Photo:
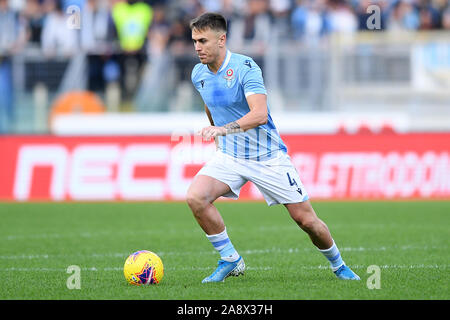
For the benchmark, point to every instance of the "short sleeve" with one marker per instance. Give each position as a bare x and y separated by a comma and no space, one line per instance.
252,79
194,73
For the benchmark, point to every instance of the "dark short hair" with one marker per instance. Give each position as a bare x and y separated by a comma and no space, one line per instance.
211,20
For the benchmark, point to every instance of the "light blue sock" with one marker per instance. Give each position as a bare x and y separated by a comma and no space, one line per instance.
223,245
334,256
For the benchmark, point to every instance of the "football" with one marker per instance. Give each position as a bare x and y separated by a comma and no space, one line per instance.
143,268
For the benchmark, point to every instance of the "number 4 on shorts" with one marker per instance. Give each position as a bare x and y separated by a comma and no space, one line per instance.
292,182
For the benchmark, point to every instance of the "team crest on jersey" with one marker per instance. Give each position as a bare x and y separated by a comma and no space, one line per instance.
229,76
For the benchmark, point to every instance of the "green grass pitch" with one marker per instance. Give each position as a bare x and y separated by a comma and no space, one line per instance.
408,241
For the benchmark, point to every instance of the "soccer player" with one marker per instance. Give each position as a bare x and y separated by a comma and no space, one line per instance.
249,148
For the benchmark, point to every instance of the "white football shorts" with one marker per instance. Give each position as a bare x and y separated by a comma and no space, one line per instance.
277,179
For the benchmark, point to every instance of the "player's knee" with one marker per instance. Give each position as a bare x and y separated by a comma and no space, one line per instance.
305,219
307,223
196,200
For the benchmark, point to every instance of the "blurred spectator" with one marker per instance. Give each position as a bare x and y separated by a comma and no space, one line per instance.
120,37
34,17
428,16
12,35
189,9
159,32
446,19
78,3
180,37
12,39
57,38
229,7
17,5
280,11
97,40
158,64
307,20
132,20
253,29
96,27
212,5
257,23
340,17
403,16
180,43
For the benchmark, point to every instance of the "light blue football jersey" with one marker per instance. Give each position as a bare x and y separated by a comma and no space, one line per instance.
224,93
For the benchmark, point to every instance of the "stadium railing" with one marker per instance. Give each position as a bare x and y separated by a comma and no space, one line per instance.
369,71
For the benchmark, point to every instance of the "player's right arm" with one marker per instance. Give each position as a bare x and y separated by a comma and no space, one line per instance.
208,113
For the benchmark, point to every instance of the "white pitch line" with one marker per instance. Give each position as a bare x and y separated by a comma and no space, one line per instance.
302,267
121,269
88,235
243,252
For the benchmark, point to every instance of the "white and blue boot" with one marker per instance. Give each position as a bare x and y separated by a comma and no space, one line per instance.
225,269
345,273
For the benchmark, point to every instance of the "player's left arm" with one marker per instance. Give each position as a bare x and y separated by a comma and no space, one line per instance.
256,117
252,83
255,93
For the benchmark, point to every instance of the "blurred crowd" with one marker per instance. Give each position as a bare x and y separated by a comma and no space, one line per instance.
63,27
120,36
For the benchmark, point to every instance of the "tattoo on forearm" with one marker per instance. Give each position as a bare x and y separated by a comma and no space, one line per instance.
232,127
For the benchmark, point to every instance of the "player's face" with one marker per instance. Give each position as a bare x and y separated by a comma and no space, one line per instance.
207,44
